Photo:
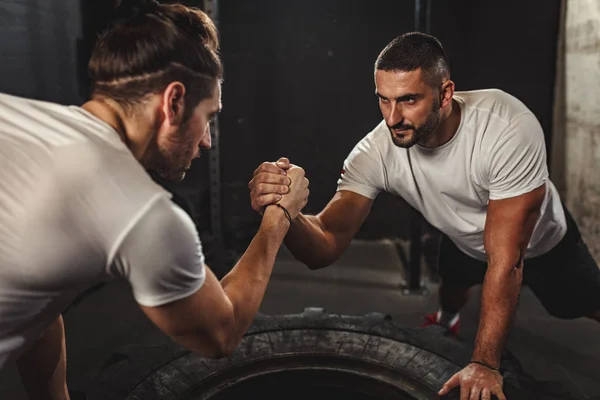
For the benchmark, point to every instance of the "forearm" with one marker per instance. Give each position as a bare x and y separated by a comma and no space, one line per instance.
245,285
308,241
500,294
43,367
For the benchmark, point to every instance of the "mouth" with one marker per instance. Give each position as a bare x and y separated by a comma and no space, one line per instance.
401,132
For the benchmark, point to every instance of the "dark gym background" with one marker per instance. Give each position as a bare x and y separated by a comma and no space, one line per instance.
298,83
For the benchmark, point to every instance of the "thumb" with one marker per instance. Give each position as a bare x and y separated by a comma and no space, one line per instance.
283,162
451,384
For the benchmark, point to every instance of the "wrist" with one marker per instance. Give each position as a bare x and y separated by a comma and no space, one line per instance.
274,214
487,365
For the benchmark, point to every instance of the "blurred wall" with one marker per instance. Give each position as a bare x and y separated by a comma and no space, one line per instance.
299,83
298,79
38,42
578,128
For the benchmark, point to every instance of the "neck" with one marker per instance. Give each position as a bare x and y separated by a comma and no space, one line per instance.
132,131
447,127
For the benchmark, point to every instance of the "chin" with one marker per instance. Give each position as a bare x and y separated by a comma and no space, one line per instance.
172,177
405,144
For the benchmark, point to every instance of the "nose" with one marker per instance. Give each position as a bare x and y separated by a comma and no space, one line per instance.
205,142
395,115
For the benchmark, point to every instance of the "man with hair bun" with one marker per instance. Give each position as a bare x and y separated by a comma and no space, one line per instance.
78,206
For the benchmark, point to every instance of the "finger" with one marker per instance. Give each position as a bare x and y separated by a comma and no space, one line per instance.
486,394
465,392
497,391
268,178
266,200
269,167
451,384
267,188
475,392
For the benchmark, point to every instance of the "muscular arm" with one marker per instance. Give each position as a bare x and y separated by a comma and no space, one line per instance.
214,319
43,366
508,229
319,240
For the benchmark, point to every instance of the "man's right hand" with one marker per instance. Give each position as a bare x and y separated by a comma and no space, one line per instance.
297,196
269,183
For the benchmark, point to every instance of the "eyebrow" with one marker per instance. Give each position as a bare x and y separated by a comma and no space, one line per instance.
408,96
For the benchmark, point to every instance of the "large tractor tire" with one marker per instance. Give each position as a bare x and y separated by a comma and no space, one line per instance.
309,355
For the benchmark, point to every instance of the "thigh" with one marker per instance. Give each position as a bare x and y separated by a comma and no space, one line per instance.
566,279
457,268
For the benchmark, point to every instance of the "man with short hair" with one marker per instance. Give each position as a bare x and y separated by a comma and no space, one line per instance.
78,207
474,164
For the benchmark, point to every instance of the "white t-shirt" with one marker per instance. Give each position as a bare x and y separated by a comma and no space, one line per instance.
498,152
76,208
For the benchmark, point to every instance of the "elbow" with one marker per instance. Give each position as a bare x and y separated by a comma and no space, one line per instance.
221,350
320,260
220,347
314,265
225,341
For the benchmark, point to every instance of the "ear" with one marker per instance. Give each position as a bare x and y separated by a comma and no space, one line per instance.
173,103
446,93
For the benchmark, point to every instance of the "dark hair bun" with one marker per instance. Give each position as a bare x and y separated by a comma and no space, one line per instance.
126,9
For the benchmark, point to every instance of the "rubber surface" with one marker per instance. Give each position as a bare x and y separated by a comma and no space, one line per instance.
418,361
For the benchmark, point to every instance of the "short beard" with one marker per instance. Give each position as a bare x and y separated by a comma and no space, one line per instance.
421,134
173,158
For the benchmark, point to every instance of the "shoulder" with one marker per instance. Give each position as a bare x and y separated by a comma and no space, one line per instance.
495,105
375,143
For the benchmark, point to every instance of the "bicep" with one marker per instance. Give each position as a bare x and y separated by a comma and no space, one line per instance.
198,316
161,258
509,226
161,255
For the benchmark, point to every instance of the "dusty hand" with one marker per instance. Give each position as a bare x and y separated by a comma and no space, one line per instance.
295,200
476,380
269,182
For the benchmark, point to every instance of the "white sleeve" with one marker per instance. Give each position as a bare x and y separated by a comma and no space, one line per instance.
516,163
161,255
363,170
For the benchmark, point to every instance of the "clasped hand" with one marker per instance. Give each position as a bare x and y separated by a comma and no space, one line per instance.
279,182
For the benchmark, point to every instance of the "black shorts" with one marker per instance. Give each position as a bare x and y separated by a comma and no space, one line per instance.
566,279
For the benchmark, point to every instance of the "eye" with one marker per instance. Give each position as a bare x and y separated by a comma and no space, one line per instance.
384,100
410,101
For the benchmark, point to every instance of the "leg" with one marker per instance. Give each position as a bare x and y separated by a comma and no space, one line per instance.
453,297
458,273
43,366
567,278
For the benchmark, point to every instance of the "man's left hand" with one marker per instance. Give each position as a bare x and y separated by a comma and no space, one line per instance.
476,380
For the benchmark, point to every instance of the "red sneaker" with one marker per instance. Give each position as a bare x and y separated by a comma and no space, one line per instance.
433,319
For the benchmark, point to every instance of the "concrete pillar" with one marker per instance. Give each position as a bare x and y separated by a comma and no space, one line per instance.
582,110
